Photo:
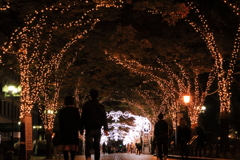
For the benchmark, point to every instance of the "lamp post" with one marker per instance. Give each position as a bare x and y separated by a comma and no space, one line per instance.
12,91
186,100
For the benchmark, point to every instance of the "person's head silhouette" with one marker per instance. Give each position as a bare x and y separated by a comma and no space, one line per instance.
94,94
160,116
69,100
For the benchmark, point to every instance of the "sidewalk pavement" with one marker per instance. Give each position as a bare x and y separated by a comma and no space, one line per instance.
128,156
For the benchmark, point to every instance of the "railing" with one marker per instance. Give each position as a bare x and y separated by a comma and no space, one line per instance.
192,140
208,150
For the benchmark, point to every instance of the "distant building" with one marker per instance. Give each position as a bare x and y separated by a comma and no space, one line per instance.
10,110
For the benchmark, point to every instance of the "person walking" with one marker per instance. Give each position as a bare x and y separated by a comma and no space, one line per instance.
56,136
69,125
183,137
161,135
93,118
139,148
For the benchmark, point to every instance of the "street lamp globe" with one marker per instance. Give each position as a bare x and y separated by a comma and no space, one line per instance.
12,89
186,99
203,109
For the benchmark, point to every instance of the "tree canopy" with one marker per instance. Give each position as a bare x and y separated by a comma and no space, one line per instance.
140,52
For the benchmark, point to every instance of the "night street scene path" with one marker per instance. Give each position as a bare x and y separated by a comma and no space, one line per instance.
128,156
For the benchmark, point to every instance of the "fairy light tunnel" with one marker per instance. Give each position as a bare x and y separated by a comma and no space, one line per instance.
141,126
31,44
28,55
224,76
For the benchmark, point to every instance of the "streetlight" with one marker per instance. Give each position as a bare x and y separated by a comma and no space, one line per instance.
12,91
186,99
203,109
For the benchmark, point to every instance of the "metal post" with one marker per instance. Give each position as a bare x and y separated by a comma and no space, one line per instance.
176,131
12,119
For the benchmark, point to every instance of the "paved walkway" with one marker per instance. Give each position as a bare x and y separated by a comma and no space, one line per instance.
126,156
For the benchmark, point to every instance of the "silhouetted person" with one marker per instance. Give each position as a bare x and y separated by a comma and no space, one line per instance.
104,148
93,118
139,148
161,135
183,137
69,125
198,130
55,140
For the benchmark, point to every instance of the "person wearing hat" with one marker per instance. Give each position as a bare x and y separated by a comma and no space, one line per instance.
161,135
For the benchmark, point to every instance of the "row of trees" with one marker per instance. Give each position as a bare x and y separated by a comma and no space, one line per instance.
141,55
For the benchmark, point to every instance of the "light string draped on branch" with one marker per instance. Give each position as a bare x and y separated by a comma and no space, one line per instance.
29,42
225,77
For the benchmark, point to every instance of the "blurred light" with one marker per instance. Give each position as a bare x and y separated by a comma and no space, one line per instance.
186,99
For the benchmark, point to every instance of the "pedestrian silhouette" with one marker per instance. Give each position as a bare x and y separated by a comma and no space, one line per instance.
139,148
93,118
161,135
69,125
55,140
183,137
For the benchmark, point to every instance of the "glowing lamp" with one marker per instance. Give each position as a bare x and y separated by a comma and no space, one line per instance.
11,90
186,99
203,108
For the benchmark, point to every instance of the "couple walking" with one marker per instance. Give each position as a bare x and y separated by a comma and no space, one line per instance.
69,122
161,135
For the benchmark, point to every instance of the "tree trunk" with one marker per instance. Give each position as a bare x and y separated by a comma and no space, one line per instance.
224,131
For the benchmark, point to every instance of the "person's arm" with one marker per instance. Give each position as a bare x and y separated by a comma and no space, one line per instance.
155,130
82,119
105,125
167,129
56,123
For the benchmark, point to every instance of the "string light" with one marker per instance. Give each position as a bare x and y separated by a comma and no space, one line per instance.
5,7
224,76
36,65
173,86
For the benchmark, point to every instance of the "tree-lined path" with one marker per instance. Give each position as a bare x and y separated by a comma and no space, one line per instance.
127,156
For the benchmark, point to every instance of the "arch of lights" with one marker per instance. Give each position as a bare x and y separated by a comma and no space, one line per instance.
172,95
141,125
224,81
224,76
32,53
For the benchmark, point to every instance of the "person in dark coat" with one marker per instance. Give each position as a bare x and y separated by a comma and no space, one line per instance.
161,135
93,118
139,148
55,140
69,125
183,137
